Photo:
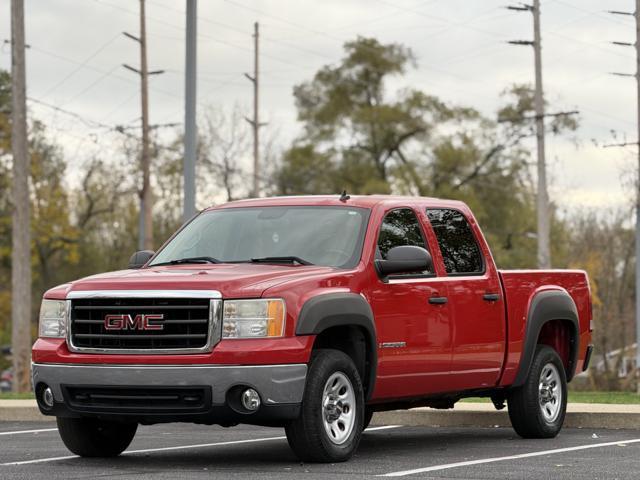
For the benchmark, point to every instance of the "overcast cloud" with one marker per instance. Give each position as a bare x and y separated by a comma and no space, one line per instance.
77,50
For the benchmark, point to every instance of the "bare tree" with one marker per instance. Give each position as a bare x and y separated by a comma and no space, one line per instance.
603,245
224,151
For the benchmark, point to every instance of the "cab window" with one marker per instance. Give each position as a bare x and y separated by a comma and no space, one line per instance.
457,242
399,227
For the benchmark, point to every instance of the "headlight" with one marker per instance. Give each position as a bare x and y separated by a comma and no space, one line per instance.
53,318
253,318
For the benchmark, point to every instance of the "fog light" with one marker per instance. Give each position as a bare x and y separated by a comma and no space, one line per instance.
250,399
47,397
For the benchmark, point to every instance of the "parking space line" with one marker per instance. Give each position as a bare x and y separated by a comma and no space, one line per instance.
148,450
40,460
179,447
18,432
447,466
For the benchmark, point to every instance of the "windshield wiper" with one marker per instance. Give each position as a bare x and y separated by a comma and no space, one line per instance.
287,259
188,260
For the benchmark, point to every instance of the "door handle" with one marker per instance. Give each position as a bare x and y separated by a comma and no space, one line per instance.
438,300
491,297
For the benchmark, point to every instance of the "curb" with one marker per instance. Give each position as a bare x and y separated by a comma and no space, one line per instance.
453,418
464,415
21,411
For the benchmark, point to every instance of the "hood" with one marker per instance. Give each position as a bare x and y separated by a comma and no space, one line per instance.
235,280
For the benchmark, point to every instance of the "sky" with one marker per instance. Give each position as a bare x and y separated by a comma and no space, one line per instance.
76,51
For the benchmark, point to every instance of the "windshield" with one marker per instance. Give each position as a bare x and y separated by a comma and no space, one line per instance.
327,236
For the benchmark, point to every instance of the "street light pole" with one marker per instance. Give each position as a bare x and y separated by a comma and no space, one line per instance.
190,128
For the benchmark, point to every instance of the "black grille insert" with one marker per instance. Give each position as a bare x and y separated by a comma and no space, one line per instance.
137,399
140,324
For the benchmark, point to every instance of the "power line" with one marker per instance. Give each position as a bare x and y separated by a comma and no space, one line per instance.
243,32
200,35
325,34
591,44
381,18
96,124
91,85
80,66
589,12
99,70
442,19
332,37
86,121
298,26
119,105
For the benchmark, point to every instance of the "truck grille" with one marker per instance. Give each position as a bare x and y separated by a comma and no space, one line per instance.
124,325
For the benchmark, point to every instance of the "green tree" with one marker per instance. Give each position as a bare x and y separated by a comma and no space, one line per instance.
360,136
53,238
349,116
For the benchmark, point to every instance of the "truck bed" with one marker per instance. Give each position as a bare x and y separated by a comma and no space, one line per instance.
519,287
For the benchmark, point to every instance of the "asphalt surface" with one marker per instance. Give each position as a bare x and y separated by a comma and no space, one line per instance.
190,451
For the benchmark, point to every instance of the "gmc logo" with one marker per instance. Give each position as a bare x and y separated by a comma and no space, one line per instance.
139,322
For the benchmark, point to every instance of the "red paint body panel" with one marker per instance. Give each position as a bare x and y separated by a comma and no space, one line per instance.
234,280
227,352
520,287
466,344
403,315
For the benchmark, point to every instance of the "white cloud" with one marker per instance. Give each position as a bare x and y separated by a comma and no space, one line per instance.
459,45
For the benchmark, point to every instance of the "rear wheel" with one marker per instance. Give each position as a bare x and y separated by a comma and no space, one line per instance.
89,437
538,407
330,423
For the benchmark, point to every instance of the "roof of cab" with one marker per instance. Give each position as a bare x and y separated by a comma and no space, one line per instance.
362,201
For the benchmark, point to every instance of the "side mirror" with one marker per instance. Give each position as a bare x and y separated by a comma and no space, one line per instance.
405,259
138,259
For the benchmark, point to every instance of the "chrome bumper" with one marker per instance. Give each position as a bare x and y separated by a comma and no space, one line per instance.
277,384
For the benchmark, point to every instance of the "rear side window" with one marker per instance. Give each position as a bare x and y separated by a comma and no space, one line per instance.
457,243
399,227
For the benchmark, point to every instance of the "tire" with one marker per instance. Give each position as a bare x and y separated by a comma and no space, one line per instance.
538,407
89,437
333,383
368,415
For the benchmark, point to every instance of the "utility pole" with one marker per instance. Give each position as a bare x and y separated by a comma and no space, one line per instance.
145,239
20,231
255,123
190,128
544,231
636,15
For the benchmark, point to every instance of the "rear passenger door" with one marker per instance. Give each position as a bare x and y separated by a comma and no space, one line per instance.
414,335
475,301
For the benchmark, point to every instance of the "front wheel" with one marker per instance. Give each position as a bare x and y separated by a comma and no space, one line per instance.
89,437
331,420
538,407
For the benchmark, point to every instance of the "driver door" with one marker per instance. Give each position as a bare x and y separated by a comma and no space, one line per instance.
414,328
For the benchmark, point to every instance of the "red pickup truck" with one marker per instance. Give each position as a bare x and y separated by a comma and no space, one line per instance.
309,313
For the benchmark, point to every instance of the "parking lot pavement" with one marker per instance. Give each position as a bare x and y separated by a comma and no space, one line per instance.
33,450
